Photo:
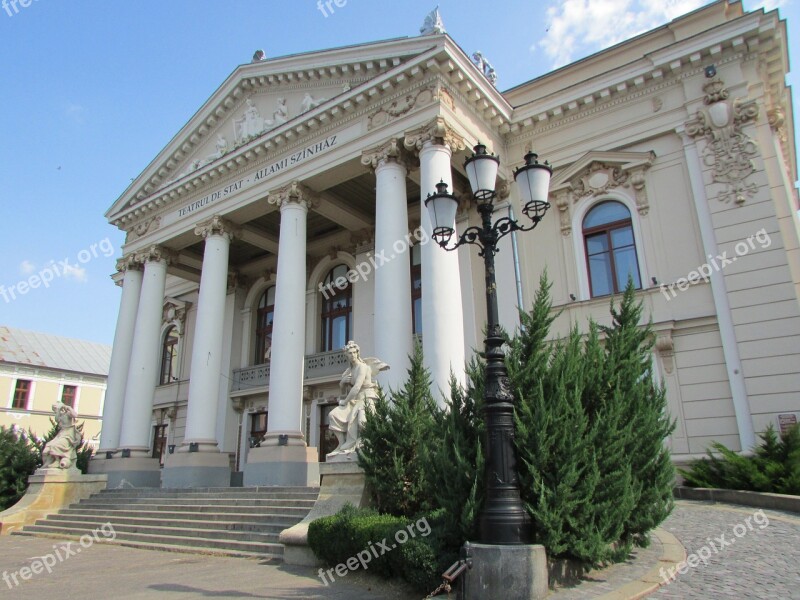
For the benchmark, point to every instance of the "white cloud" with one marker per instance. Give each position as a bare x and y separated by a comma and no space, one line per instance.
75,272
578,28
26,267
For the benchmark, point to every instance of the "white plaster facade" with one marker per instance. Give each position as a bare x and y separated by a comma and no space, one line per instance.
296,165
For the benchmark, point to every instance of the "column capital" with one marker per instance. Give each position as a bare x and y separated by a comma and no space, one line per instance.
216,225
389,151
156,254
128,262
438,131
294,193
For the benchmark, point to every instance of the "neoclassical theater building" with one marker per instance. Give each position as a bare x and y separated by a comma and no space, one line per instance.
287,217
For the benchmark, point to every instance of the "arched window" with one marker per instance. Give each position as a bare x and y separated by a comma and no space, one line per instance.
610,249
264,317
169,357
337,309
416,289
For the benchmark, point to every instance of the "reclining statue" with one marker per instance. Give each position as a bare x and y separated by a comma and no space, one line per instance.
60,452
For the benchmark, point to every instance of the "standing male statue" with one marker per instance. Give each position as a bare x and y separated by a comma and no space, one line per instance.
358,389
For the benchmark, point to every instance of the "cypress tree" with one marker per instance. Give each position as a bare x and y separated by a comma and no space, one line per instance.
392,442
629,371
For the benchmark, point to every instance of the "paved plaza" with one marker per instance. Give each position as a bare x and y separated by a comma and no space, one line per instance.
747,554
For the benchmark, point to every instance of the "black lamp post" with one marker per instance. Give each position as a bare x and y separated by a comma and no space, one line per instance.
503,519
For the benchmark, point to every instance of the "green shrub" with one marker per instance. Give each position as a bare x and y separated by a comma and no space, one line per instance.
351,531
774,466
18,461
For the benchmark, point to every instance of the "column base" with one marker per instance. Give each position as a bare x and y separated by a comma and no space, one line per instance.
519,571
135,471
196,469
282,465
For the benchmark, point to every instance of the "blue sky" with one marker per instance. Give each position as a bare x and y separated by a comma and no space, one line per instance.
92,91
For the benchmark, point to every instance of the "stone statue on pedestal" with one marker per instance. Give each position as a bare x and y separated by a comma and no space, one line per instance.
60,452
358,390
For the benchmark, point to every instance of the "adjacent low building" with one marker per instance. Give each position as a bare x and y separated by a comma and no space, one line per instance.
288,217
38,370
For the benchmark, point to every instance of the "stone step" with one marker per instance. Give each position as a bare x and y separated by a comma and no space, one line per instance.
97,500
168,530
244,524
156,542
220,496
216,490
253,510
107,513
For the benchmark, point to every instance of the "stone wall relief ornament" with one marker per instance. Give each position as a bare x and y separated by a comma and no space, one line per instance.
220,149
143,228
666,350
433,24
728,150
309,102
401,106
251,124
564,212
174,312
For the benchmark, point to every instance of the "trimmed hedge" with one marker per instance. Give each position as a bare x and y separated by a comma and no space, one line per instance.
350,532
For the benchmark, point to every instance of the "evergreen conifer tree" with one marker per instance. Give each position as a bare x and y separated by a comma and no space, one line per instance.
18,461
392,442
629,373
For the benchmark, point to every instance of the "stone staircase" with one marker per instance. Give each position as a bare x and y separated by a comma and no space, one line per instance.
227,521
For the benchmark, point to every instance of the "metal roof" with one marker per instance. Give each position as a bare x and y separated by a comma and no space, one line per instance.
32,348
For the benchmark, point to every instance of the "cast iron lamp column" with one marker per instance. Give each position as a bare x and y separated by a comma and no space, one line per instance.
503,519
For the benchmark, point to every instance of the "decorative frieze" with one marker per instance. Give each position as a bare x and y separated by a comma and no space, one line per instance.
728,150
142,228
401,106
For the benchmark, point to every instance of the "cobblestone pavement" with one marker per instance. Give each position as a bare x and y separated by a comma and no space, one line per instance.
748,553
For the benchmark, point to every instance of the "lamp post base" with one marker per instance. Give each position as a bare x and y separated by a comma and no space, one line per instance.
520,571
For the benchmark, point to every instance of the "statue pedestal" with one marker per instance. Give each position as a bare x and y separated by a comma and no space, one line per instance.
342,482
49,490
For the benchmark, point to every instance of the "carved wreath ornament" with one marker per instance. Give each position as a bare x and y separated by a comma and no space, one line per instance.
728,150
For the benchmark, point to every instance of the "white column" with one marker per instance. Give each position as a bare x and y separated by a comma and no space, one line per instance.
288,333
442,312
121,354
393,325
145,355
207,349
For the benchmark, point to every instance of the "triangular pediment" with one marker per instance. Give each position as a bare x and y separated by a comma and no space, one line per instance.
596,171
267,95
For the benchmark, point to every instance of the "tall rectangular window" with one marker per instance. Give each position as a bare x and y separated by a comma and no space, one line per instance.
68,395
22,392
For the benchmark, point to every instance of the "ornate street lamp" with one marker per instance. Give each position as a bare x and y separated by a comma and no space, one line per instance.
503,519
